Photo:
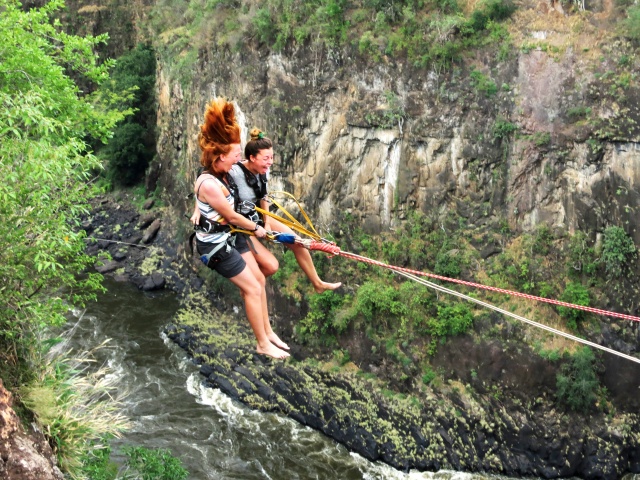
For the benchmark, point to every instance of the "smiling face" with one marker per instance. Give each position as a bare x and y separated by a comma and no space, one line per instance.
228,160
261,162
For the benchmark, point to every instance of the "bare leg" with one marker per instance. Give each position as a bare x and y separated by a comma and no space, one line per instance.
255,268
303,257
266,261
252,294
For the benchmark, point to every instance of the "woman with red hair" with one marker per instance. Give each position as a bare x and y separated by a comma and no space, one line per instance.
219,249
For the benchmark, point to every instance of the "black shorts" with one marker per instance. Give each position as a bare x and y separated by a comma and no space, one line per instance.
227,262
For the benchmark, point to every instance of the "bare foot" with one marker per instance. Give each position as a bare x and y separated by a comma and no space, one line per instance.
322,286
272,351
273,338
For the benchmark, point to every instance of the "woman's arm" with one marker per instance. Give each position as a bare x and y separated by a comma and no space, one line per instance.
264,205
211,193
195,218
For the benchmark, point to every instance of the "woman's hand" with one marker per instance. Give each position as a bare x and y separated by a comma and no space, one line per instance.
260,232
195,218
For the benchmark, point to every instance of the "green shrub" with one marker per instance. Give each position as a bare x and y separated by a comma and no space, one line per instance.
631,25
582,256
46,165
127,155
97,464
617,250
482,83
503,129
455,319
540,139
577,384
321,317
154,464
448,262
577,294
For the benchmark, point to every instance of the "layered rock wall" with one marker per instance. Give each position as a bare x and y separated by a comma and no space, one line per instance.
341,146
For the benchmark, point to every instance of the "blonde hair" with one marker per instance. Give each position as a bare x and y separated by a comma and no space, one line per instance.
218,132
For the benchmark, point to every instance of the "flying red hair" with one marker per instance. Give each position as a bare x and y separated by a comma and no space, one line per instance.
218,132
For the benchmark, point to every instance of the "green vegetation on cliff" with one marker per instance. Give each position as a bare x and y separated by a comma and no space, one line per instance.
408,323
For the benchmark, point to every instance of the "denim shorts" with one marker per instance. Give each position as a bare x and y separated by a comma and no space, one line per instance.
227,262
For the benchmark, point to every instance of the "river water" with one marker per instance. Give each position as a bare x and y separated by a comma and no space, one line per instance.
214,436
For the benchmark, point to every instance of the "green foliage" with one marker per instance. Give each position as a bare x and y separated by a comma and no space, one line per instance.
130,150
543,239
631,25
97,464
428,33
321,317
503,129
581,256
577,294
453,320
428,375
490,10
150,464
617,250
389,117
577,383
578,113
540,139
482,83
448,262
45,164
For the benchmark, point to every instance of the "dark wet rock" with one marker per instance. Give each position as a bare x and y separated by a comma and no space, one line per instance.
151,232
107,267
134,239
489,251
223,384
155,281
119,255
146,220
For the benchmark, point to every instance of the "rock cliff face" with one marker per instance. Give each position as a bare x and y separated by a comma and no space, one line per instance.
554,143
346,143
23,455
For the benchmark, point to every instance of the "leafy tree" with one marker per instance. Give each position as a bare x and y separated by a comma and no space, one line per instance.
133,144
577,383
577,294
631,25
617,249
45,123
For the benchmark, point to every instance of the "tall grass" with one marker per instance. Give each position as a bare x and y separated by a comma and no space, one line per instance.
74,403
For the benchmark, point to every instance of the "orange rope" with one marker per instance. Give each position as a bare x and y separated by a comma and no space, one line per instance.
333,249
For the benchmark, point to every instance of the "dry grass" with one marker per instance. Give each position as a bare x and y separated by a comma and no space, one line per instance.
75,404
576,31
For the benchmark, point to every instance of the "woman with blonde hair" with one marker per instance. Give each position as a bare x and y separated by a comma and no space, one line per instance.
219,249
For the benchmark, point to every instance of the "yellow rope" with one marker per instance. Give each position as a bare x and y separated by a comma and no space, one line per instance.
291,222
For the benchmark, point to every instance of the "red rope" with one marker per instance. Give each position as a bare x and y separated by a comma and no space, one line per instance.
335,250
